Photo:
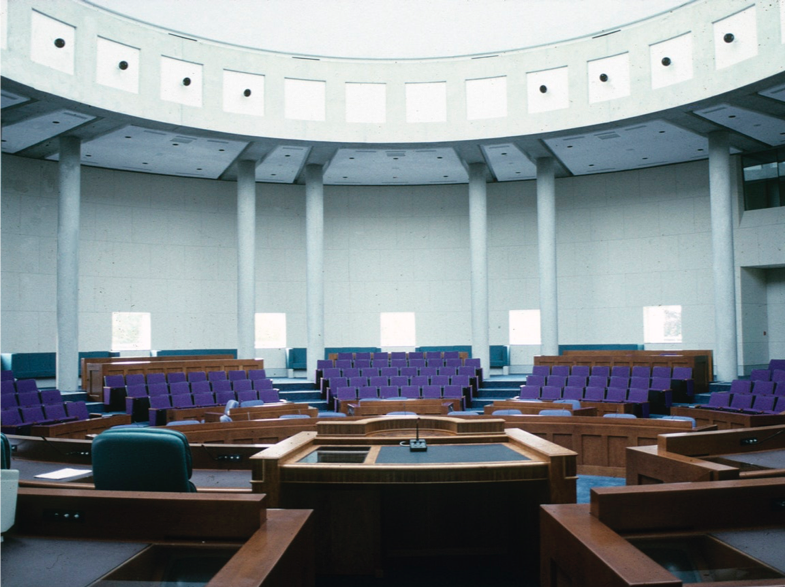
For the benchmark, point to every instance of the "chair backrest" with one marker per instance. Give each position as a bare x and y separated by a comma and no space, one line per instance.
639,383
269,396
760,375
176,377
572,393
5,452
597,381
778,375
762,387
265,383
563,370
576,381
550,392
28,398
616,394
179,388
682,373
114,381
620,371
661,372
410,391
369,392
431,391
555,413
741,401
153,378
204,399
507,412
601,371
160,402
222,385
452,392
8,400
78,410
8,387
594,394
529,392
764,403
26,385
11,417
55,412
142,459
182,401
641,371
581,370
200,387
719,400
388,391
237,375
440,380
157,389
623,416
660,383
619,381
536,380
135,379
741,386
194,376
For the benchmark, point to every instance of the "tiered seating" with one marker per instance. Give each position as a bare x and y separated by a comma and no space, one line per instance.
762,393
375,376
148,398
600,384
24,406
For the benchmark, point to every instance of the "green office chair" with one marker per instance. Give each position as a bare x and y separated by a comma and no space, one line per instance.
6,452
142,459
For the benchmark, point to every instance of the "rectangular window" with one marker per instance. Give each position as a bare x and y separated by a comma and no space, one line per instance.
397,329
426,102
486,98
270,331
304,99
661,324
131,331
764,179
525,327
366,103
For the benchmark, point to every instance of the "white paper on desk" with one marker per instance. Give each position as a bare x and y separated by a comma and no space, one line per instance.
63,473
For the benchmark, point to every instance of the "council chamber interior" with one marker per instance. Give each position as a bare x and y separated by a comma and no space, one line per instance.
477,294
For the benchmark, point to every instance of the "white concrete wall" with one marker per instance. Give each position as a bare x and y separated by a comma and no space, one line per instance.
166,245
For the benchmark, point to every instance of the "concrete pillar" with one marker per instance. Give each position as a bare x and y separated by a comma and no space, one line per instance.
725,349
70,188
314,270
246,259
478,243
546,242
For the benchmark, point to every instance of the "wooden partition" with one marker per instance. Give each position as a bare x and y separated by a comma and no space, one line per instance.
709,456
600,443
80,428
214,413
699,361
90,365
253,547
178,365
724,420
603,543
534,408
433,407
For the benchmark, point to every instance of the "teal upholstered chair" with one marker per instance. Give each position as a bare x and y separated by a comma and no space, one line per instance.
6,452
142,459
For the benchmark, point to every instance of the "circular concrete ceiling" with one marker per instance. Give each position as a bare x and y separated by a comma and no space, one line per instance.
389,29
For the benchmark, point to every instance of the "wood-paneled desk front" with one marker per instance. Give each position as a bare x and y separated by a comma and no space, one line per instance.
722,533
709,456
73,538
377,503
723,419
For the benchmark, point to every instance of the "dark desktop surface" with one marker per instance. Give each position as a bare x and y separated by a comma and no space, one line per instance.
445,454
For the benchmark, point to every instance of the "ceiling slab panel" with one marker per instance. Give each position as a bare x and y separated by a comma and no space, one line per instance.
633,147
283,164
134,148
762,127
11,99
29,132
508,163
395,167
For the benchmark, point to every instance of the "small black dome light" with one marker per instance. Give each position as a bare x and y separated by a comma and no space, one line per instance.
59,43
666,61
123,65
247,92
543,89
186,81
728,38
603,77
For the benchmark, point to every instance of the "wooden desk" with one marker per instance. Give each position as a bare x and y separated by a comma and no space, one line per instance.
724,420
247,544
691,527
534,408
214,413
431,407
709,456
377,503
80,428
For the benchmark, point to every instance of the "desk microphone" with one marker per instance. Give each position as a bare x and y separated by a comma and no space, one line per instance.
417,444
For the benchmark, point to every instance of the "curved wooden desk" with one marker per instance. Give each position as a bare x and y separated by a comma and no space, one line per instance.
376,501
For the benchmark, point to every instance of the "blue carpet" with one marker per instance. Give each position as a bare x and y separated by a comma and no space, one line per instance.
586,482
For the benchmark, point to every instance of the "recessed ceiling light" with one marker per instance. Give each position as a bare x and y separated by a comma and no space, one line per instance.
221,150
55,122
732,116
145,163
173,144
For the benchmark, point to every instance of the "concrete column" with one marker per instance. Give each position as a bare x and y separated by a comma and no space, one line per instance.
725,345
70,187
478,242
546,242
314,270
246,259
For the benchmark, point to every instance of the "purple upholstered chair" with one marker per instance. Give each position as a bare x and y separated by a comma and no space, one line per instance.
449,371
440,380
368,392
378,381
620,371
182,401
343,394
247,395
542,370
639,383
661,372
640,397
536,380
153,378
362,363
419,381
179,388
580,370
221,397
204,399
573,392
261,384
597,381
242,385
28,398
741,402
12,421
78,410
601,371
428,372
239,374
719,400
195,376
761,387
740,386
26,385
389,392
200,387
616,394
51,397
370,372
594,394
409,371
176,377
34,415
551,392
389,372
221,385
641,371
530,392
763,404
563,370
254,374
8,400
452,392
157,389
576,381
410,391
56,413
760,375
620,382
431,391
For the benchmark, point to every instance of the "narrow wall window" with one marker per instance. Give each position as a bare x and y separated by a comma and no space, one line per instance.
661,324
131,331
426,102
270,331
397,329
525,327
486,98
366,102
304,99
